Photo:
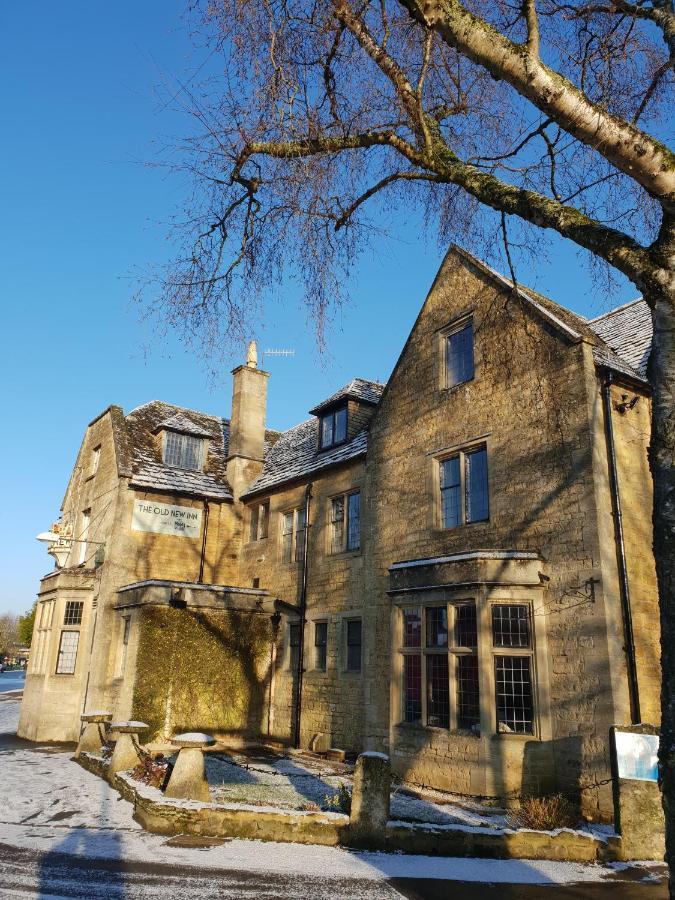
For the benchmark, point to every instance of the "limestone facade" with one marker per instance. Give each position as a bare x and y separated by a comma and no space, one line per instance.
459,575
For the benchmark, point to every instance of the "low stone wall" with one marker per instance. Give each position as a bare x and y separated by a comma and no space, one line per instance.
457,840
159,814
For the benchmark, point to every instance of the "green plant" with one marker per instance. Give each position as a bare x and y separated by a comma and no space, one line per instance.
545,813
341,801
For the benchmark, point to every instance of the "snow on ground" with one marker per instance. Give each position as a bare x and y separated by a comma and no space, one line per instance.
298,782
49,803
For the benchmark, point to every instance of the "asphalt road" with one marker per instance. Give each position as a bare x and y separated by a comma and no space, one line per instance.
28,873
52,876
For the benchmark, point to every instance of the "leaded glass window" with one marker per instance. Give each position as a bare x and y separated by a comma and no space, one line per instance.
184,451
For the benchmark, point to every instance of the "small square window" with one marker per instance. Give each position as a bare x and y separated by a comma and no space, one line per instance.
73,614
510,625
320,645
184,451
459,355
353,641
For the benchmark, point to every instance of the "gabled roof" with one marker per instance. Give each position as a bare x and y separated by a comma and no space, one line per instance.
358,389
181,423
295,455
627,330
621,338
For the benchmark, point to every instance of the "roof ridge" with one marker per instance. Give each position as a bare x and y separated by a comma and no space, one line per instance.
610,312
185,409
529,294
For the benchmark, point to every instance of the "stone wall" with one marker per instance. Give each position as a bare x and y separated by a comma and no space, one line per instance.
528,404
332,700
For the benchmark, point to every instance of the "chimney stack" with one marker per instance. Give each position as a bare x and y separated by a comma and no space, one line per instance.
247,423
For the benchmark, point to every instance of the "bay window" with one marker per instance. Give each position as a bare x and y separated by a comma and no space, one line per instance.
440,672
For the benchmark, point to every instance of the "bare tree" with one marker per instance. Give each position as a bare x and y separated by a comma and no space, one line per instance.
513,113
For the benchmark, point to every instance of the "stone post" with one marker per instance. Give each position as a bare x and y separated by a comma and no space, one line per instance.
93,736
638,813
370,800
188,778
125,755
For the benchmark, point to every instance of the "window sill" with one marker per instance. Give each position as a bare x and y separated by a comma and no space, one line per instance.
344,554
453,528
513,736
352,673
453,388
450,732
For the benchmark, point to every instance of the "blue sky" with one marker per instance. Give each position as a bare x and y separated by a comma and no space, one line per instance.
82,212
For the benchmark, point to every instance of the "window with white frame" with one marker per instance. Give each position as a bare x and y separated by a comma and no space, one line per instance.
67,658
459,366
345,522
353,645
84,533
260,513
333,428
463,479
439,666
320,645
95,459
293,525
184,451
439,651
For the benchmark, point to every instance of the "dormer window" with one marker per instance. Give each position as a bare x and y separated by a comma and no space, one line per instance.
334,427
184,451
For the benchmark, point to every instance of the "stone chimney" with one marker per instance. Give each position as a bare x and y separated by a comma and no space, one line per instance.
247,423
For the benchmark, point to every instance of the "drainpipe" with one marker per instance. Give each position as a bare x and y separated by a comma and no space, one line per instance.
297,712
203,553
633,691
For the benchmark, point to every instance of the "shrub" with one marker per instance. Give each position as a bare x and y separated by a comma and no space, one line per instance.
151,771
342,800
545,813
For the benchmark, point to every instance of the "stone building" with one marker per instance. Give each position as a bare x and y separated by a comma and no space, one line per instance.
455,567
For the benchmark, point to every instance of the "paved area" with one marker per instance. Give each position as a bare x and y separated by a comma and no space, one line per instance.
65,834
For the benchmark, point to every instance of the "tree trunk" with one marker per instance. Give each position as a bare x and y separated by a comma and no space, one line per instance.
662,454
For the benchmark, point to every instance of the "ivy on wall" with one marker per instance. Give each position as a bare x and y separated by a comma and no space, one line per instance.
202,670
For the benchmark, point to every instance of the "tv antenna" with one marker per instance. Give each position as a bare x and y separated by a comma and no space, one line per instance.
284,354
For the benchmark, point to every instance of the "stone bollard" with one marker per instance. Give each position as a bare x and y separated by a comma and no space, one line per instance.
638,812
370,800
92,738
125,755
188,779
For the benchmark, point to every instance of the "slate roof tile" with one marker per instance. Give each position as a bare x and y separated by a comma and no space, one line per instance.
357,389
627,330
295,456
147,468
